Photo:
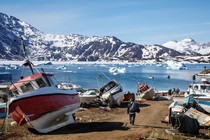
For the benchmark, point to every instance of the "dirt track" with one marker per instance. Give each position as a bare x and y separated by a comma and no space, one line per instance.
98,124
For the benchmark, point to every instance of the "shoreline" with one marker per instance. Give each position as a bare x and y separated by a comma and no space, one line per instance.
109,124
94,62
102,124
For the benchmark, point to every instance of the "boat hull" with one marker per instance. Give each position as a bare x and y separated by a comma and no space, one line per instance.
118,98
147,94
202,98
89,95
87,99
205,105
34,107
56,119
115,98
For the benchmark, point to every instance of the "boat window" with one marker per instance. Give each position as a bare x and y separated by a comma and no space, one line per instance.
112,84
107,89
26,87
203,87
51,80
41,83
92,93
207,87
15,91
196,87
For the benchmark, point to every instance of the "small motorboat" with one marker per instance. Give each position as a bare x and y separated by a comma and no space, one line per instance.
200,90
151,77
88,96
145,92
112,92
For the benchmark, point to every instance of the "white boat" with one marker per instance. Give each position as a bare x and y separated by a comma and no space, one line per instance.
200,88
176,107
112,91
145,92
151,77
36,99
199,92
89,95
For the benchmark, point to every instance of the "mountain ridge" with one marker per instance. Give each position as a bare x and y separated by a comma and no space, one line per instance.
53,47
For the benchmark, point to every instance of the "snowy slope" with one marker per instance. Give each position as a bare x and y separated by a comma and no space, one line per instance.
43,46
188,46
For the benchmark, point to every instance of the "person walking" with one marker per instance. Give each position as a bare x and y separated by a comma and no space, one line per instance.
131,110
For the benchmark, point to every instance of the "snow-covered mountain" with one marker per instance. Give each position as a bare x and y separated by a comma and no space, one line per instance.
42,46
159,51
188,46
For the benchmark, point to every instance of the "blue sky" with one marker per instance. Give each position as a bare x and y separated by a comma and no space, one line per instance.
138,21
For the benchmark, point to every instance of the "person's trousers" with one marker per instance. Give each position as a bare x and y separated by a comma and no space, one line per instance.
132,118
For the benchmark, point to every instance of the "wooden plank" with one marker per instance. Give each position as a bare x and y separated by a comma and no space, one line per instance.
202,118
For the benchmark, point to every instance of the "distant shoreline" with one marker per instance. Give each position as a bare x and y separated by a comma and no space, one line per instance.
87,62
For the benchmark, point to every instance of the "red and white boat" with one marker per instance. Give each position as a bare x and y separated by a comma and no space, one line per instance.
145,92
38,100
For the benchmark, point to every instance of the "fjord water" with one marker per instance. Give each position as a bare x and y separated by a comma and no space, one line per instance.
90,75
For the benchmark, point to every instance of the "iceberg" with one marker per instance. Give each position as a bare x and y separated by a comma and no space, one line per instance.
175,65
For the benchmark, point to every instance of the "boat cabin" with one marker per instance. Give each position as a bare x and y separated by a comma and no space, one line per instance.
199,88
142,88
108,87
31,83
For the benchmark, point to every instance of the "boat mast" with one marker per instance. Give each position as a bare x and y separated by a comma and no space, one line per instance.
27,62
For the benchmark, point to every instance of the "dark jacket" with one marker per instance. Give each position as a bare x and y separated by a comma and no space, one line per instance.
132,108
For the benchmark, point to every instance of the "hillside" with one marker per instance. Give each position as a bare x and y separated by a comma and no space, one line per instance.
52,47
